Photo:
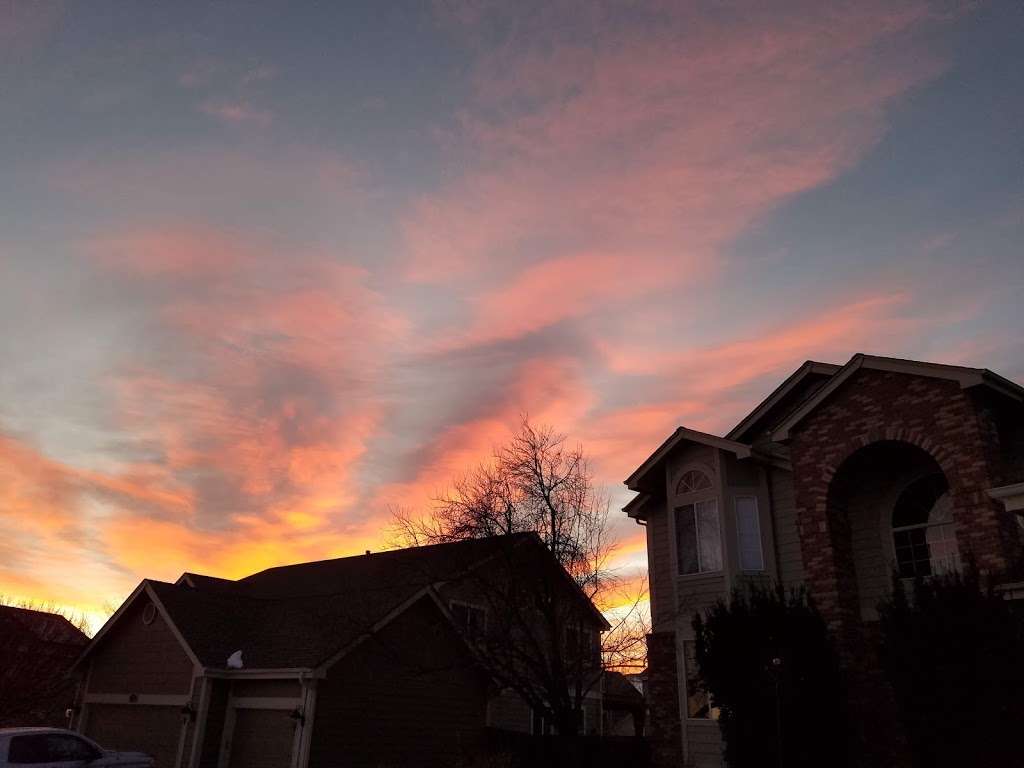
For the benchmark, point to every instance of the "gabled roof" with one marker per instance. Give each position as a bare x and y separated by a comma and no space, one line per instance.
300,616
639,479
42,626
965,377
636,507
803,382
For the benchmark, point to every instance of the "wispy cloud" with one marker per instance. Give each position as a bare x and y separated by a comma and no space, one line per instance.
237,112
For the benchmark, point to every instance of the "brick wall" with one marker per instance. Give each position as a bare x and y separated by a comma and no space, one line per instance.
934,415
946,422
663,701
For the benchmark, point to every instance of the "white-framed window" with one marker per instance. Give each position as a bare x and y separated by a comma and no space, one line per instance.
539,723
923,532
699,705
692,481
748,532
698,537
469,618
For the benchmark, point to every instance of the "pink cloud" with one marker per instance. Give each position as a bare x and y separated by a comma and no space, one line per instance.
652,145
236,112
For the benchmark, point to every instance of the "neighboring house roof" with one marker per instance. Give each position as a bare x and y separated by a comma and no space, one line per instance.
965,377
36,650
619,693
41,625
302,616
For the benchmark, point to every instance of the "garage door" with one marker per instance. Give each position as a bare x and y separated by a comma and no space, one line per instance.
137,728
262,738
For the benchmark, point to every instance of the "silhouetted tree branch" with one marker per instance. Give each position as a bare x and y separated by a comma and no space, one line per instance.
541,640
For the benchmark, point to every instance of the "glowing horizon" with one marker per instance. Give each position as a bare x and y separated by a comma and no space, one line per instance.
267,274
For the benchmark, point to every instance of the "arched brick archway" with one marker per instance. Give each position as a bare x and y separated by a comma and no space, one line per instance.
981,526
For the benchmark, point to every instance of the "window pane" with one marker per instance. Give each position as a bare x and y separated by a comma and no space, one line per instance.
63,748
28,750
749,528
697,700
710,536
686,540
691,481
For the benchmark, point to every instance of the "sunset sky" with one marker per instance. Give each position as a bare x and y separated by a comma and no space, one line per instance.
269,270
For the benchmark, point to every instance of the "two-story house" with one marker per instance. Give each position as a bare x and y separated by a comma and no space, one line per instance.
370,660
841,476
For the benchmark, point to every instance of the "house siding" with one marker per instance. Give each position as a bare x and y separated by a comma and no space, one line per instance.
140,658
508,711
660,563
406,691
704,742
788,556
155,730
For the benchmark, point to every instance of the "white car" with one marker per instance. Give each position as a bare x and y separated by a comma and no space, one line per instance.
59,748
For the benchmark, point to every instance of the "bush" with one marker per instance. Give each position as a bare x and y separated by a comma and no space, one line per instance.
767,660
953,654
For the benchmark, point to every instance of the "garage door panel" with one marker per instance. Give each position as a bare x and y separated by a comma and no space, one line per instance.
262,738
137,728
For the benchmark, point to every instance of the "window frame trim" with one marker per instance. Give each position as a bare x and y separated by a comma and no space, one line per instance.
472,607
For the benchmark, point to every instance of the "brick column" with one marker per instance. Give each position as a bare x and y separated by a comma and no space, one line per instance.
663,701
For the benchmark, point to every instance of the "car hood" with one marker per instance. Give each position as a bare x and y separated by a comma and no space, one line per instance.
123,760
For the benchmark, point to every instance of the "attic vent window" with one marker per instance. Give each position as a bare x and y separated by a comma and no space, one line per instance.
149,613
691,481
470,619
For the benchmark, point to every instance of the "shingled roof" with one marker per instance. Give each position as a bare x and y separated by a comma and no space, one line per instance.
299,616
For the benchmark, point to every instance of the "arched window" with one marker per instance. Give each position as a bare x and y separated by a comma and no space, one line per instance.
923,533
692,480
698,527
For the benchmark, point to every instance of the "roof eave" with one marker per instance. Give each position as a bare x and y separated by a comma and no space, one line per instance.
809,367
965,377
740,450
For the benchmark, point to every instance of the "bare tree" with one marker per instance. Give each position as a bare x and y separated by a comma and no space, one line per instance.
541,640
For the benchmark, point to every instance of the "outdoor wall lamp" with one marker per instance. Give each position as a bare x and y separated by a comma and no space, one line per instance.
188,714
298,716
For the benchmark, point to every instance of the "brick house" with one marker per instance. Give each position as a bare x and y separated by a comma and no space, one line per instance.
356,661
841,476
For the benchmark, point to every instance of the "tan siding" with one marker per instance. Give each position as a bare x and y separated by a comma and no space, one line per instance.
140,658
788,556
705,744
592,708
509,712
407,693
696,593
659,558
